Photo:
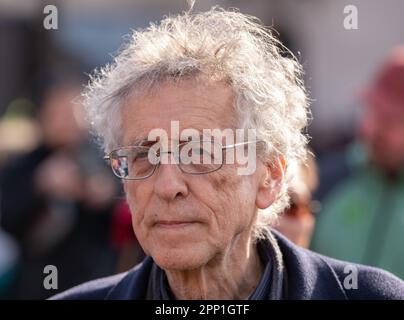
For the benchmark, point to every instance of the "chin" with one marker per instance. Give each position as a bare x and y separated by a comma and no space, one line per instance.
180,258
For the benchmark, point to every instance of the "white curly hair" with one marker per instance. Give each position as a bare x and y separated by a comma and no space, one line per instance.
269,95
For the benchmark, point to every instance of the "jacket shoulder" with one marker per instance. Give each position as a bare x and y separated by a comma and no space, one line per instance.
126,285
93,290
365,282
311,275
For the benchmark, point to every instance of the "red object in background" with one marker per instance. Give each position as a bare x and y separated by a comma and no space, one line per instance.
122,231
387,90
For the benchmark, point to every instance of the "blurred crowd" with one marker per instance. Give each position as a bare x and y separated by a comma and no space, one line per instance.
362,217
60,204
58,199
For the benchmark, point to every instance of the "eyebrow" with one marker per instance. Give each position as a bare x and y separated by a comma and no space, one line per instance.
145,142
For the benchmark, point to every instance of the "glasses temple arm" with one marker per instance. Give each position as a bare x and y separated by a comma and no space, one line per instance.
240,144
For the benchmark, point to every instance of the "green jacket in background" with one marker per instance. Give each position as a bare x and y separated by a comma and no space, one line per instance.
362,219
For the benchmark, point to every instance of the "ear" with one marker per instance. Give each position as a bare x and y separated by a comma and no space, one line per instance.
270,183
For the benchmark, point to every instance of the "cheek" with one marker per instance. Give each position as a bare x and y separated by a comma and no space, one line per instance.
137,196
245,197
233,201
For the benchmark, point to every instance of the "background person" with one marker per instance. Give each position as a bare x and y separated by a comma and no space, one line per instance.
298,221
56,200
362,219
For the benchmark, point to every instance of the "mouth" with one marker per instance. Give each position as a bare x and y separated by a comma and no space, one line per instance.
174,224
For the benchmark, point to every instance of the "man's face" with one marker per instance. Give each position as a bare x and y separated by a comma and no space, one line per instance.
184,221
383,133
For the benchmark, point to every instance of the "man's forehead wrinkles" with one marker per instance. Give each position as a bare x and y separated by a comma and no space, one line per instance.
162,117
191,110
195,122
202,134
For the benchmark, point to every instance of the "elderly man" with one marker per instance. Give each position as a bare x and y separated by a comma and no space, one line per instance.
200,218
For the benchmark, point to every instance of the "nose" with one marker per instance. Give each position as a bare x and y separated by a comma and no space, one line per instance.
169,183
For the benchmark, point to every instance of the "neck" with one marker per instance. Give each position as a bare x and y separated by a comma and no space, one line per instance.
231,275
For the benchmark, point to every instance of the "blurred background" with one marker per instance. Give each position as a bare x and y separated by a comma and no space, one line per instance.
60,204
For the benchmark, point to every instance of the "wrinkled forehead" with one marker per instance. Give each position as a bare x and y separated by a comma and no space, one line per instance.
175,107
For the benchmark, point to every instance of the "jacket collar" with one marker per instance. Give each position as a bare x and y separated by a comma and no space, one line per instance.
308,276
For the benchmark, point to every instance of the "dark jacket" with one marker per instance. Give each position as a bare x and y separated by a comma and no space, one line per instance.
308,276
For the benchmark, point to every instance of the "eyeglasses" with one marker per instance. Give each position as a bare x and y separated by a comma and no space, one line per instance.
193,157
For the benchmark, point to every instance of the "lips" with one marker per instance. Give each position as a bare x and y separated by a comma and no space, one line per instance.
172,224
